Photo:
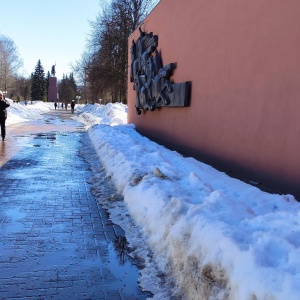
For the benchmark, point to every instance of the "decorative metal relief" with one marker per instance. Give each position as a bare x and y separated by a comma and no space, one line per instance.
151,80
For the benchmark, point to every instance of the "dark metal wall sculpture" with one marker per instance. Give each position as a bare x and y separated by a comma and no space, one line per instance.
151,80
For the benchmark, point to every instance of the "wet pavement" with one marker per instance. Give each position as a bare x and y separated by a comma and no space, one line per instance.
56,241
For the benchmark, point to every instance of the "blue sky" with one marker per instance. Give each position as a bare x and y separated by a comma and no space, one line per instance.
54,31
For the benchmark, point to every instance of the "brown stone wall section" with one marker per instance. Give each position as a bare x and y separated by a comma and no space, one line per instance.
242,58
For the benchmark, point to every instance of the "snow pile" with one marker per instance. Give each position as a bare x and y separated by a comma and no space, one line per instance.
220,238
18,112
112,114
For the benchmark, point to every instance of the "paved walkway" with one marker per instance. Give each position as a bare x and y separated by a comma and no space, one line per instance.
56,242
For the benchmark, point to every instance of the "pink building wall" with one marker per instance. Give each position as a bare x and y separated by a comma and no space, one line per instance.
242,58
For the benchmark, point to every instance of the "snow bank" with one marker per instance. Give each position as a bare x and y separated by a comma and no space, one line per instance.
111,113
218,237
18,112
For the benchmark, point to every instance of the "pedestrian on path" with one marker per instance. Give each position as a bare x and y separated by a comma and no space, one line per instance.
3,114
55,105
72,106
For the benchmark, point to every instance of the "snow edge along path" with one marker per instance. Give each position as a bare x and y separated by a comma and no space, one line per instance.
202,221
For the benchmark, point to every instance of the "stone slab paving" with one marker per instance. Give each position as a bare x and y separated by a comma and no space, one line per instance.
56,242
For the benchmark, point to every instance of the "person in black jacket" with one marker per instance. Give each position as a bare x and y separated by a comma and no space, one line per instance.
3,114
72,106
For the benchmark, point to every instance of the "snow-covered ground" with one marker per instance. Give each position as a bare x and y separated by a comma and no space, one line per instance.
214,237
19,112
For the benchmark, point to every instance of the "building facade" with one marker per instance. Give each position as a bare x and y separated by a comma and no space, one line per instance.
242,59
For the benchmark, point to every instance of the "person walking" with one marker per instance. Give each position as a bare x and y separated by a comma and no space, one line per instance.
55,105
72,106
3,114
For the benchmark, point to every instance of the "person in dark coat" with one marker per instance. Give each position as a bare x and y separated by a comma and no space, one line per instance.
72,106
3,114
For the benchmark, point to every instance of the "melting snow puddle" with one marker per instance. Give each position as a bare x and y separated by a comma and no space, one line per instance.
14,214
122,269
12,223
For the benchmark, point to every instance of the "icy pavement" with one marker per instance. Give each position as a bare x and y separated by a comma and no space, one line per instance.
56,241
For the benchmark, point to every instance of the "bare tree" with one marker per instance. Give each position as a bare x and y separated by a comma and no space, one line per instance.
10,62
81,71
21,88
67,88
106,72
